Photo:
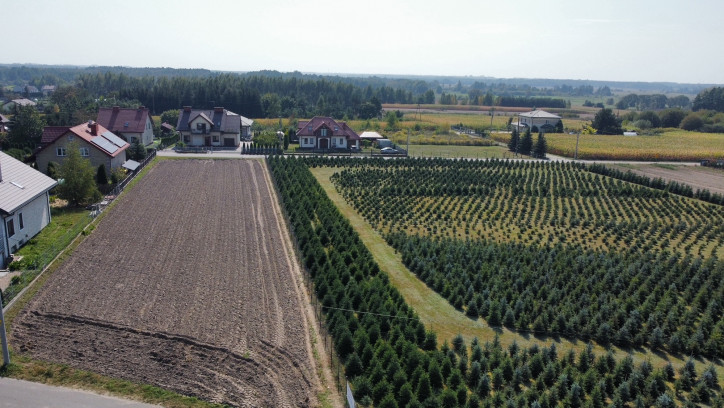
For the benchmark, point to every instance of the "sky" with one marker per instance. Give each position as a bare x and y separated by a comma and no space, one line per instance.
609,40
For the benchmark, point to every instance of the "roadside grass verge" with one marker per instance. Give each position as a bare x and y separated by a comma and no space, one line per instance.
440,316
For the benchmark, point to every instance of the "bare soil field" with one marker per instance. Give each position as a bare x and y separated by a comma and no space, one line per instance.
186,284
697,177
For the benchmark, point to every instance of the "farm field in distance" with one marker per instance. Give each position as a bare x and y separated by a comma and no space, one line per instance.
178,288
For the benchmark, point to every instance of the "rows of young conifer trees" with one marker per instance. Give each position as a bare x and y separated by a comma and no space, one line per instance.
393,361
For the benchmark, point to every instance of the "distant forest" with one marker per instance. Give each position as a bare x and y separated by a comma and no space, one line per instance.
274,94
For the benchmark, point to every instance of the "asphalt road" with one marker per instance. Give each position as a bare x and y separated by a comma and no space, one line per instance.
24,394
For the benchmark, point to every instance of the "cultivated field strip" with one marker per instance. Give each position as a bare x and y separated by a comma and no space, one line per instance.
184,285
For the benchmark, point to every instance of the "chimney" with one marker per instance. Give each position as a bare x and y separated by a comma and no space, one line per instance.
219,109
187,109
93,128
141,107
116,108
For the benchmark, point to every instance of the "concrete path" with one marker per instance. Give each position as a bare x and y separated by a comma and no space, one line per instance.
25,394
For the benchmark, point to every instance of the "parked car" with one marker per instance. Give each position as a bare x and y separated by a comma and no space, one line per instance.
388,150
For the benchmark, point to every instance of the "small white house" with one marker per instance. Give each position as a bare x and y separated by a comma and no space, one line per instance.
538,118
24,204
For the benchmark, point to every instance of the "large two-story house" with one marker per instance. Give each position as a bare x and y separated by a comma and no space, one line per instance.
324,133
209,127
133,125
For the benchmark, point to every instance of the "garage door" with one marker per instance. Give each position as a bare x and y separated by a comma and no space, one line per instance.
228,142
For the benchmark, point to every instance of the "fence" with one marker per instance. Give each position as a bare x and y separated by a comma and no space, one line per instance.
118,189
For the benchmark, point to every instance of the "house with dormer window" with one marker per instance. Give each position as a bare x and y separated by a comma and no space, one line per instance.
209,127
324,133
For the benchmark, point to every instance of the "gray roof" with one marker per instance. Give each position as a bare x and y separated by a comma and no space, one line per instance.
222,120
539,114
20,184
246,121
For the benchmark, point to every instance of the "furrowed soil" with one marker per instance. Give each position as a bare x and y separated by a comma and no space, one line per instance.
185,285
697,177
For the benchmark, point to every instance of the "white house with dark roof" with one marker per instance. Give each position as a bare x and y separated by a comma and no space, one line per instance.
209,127
324,133
538,118
24,204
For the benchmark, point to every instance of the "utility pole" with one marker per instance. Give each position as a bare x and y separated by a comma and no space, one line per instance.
578,135
3,336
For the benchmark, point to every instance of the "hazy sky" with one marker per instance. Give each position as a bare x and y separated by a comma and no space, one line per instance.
624,40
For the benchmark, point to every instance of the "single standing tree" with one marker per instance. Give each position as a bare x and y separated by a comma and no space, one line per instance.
526,143
101,176
78,186
607,123
539,151
27,128
514,140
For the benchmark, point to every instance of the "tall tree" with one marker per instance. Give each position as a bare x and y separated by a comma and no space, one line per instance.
514,140
526,143
540,148
27,128
607,123
78,186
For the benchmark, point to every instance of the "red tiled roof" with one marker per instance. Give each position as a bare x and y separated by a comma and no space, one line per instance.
318,121
52,133
104,140
126,120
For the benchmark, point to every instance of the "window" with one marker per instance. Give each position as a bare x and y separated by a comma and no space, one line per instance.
310,128
187,139
216,138
11,227
71,137
84,151
324,132
60,151
20,221
336,128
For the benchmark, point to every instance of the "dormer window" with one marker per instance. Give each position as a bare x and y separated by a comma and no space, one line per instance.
71,137
125,124
336,128
310,128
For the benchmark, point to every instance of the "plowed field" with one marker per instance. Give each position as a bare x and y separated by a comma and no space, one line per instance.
186,285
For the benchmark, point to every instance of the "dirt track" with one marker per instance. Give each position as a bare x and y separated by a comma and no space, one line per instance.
696,176
186,285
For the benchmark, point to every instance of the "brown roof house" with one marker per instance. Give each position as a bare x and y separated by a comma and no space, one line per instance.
209,127
24,204
324,133
98,144
133,125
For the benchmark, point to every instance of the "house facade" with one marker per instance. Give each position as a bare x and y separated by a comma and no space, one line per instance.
209,127
246,133
96,143
324,133
24,204
538,118
133,125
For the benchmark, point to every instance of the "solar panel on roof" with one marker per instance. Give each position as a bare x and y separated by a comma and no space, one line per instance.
104,144
113,139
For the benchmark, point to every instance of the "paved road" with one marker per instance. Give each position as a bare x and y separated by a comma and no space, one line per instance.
24,394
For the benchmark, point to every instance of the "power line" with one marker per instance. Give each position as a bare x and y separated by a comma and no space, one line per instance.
370,313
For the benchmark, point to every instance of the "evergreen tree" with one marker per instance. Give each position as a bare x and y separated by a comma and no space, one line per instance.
101,177
514,140
526,143
539,151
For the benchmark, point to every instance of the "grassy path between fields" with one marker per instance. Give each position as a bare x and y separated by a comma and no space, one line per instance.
440,316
